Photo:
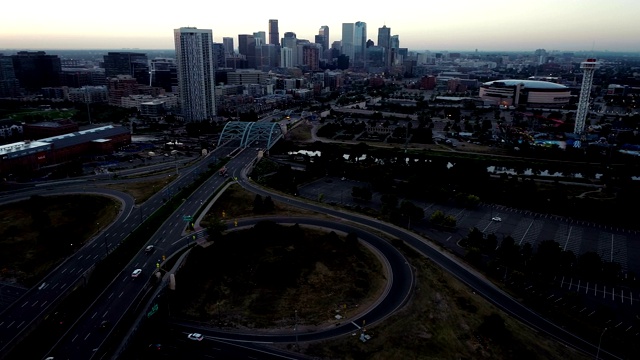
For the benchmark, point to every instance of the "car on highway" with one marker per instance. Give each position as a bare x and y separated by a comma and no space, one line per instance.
149,249
136,273
195,336
105,324
496,218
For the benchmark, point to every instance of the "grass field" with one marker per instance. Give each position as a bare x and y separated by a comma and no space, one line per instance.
39,233
40,115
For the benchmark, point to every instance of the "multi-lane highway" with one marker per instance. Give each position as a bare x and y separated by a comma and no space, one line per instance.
85,338
18,318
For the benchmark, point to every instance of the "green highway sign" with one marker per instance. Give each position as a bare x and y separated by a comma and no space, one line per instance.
153,310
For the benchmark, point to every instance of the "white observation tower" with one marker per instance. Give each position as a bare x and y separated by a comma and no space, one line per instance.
588,67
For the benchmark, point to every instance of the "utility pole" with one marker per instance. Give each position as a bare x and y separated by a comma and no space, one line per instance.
86,98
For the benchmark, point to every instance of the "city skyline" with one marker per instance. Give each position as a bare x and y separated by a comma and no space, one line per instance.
571,25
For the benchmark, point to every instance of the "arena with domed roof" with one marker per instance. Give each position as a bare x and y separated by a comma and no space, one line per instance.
533,93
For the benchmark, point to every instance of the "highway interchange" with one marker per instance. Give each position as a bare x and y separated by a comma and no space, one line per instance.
83,341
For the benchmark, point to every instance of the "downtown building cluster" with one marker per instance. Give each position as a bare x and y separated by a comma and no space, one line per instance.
204,80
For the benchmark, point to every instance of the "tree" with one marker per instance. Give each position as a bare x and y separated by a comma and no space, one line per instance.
258,204
590,265
474,238
268,204
450,221
410,210
547,257
437,217
494,328
215,227
490,243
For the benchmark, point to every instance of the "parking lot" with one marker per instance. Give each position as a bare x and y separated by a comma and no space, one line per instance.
612,244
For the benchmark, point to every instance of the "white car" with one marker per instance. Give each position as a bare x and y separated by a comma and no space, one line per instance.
148,248
496,218
136,273
195,336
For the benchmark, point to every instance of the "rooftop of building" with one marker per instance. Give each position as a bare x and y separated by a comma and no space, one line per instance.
529,84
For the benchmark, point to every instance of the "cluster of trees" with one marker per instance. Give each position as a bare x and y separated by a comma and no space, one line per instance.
463,179
439,218
524,263
261,206
399,212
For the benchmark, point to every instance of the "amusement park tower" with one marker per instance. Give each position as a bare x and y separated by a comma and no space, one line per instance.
589,67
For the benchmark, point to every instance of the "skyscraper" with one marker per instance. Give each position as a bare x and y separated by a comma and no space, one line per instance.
394,43
360,44
384,41
196,75
227,42
260,37
274,35
347,40
324,31
247,47
289,41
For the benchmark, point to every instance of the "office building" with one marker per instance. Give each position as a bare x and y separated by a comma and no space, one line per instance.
348,36
164,74
311,57
219,58
227,42
360,44
324,32
260,38
274,35
247,47
133,64
9,84
196,75
35,70
394,43
286,57
267,56
384,41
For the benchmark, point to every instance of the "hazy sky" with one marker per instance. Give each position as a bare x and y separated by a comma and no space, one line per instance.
485,25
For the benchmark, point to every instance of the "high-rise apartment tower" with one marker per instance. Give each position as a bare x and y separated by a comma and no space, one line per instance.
196,75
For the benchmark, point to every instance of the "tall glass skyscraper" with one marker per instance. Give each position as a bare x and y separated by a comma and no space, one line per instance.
348,40
324,31
274,35
384,41
196,75
360,44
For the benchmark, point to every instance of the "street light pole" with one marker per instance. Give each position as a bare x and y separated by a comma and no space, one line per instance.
295,329
599,343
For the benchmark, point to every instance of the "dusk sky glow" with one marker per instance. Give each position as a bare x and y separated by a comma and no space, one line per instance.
489,25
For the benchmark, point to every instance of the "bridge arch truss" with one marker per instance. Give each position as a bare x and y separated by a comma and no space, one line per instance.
249,132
